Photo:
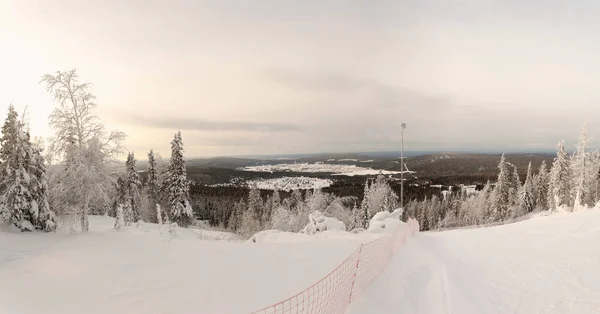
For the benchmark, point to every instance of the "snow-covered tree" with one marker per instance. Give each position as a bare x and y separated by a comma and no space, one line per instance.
500,200
276,199
16,196
23,185
526,194
593,180
542,181
83,144
152,182
364,205
133,184
560,179
579,168
283,219
255,203
236,215
381,197
527,200
177,185
120,221
39,190
515,187
358,217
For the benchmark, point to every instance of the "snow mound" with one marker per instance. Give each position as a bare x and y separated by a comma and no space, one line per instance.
277,236
385,221
319,223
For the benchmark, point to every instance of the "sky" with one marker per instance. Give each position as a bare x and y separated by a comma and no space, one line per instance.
284,77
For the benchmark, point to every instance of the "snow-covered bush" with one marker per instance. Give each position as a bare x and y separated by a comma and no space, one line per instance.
385,221
319,223
283,219
119,222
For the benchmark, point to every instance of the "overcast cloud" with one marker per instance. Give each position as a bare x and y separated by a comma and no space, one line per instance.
279,77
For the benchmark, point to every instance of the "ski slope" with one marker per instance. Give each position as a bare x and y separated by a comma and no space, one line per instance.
546,264
145,270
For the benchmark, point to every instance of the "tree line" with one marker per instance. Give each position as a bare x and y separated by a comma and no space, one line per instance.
571,183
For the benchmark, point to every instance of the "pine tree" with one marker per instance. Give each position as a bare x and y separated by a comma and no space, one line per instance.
39,189
152,182
527,201
358,218
500,201
593,180
364,205
579,168
23,179
515,187
560,179
236,215
276,198
255,205
177,185
542,187
133,185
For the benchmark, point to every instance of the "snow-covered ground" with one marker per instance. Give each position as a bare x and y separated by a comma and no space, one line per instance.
345,170
291,183
146,270
547,264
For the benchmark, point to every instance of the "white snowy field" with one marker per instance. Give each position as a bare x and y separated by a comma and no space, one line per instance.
144,270
545,264
336,169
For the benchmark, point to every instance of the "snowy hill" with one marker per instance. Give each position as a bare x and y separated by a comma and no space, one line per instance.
542,265
146,270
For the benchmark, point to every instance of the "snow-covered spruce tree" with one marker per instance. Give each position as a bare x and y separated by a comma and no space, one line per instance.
255,203
23,185
84,146
276,199
358,217
236,216
560,179
283,219
133,184
579,169
249,223
177,185
381,197
515,187
364,205
152,183
16,196
542,187
527,201
8,158
593,180
39,190
500,200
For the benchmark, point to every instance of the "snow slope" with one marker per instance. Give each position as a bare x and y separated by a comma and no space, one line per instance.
546,264
146,270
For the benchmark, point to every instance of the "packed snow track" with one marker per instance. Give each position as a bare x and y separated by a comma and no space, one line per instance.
546,264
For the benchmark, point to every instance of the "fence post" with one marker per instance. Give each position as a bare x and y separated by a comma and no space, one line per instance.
355,272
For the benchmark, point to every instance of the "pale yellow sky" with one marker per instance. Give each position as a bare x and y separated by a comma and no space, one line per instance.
272,77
